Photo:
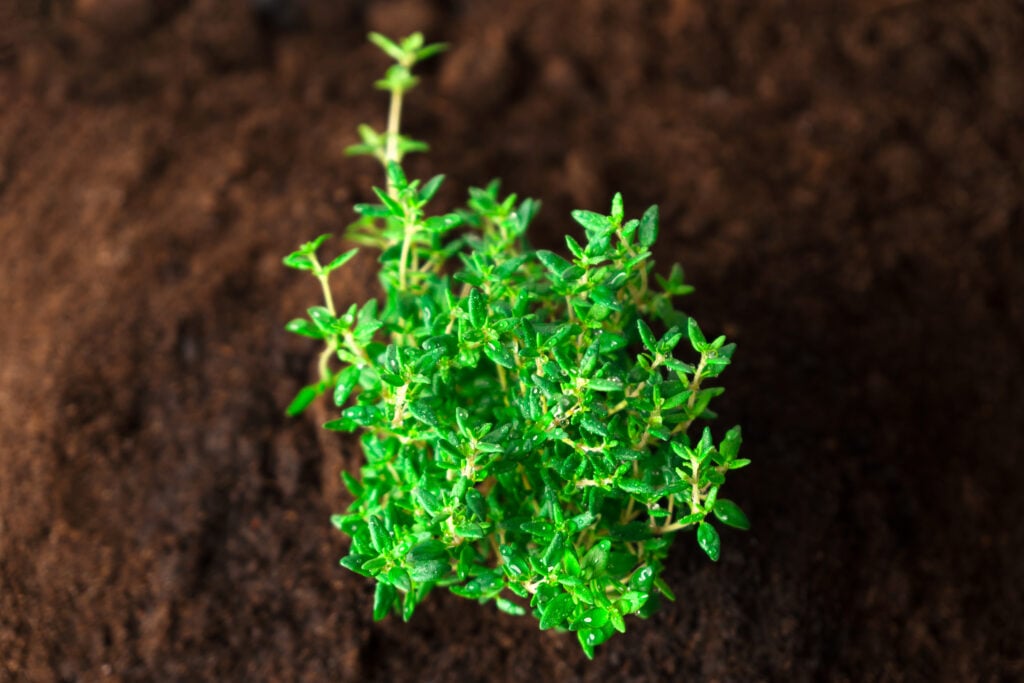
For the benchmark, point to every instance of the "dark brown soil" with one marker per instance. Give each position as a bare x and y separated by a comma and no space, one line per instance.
843,181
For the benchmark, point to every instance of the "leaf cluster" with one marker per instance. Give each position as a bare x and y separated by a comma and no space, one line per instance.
525,416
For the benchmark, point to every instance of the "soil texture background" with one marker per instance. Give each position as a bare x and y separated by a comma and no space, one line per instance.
844,183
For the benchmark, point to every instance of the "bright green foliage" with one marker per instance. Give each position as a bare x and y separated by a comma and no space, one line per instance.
525,416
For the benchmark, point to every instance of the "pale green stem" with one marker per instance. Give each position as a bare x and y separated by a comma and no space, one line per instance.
332,347
394,123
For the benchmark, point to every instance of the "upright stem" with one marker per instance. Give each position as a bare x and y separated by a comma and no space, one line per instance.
391,155
394,123
328,299
694,386
332,346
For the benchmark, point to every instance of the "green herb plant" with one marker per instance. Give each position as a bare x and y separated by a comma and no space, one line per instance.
529,436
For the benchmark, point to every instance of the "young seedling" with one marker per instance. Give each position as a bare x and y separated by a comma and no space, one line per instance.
528,420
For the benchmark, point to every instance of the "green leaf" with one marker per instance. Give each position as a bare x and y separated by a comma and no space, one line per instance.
338,521
505,269
557,611
539,528
500,355
709,502
669,342
615,619
594,426
302,400
707,537
395,209
647,233
509,607
340,260
322,318
589,361
354,486
662,586
372,210
642,580
298,261
647,337
730,513
515,564
597,557
399,578
600,384
412,42
730,446
430,50
632,601
705,446
427,561
355,563
360,150
697,339
636,487
553,262
311,246
426,551
383,599
430,188
553,553
471,531
487,584
588,641
676,400
593,618
430,501
476,503
362,415
605,297
574,247
408,606
407,144
679,367
347,380
439,225
477,308
387,45
618,211
593,223
376,565
581,521
379,536
611,342
304,328
396,176
423,412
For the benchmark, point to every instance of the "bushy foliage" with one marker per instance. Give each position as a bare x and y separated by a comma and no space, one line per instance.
527,433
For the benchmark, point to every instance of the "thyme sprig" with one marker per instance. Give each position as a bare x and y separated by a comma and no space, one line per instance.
526,429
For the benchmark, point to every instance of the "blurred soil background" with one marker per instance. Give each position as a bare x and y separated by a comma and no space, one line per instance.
844,183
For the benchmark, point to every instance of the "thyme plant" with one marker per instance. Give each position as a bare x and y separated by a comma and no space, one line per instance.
528,420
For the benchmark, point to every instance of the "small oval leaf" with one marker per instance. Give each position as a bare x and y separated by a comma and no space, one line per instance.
707,537
730,513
